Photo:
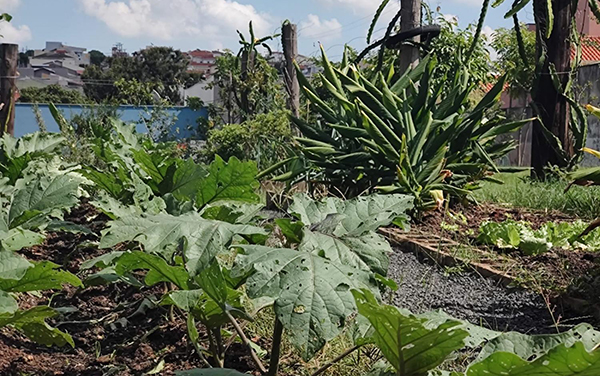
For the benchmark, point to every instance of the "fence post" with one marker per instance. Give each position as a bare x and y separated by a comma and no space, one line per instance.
290,52
9,54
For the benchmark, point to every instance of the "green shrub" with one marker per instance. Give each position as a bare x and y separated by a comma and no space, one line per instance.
263,138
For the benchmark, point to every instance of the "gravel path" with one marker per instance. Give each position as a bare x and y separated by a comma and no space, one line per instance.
424,286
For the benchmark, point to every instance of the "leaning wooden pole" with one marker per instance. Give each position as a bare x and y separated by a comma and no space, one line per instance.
290,52
410,18
9,57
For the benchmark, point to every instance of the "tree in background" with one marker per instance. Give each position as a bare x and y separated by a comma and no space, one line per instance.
456,47
52,94
97,57
519,74
162,67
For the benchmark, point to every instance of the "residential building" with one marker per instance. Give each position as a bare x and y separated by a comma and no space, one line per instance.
203,61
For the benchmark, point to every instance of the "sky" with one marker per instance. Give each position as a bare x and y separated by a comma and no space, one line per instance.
212,24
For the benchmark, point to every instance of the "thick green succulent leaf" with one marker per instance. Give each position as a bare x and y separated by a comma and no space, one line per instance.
157,267
233,181
202,239
12,266
410,347
18,238
312,294
559,361
32,323
42,276
534,346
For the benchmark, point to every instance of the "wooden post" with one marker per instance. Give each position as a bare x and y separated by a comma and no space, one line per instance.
9,57
552,106
410,18
290,52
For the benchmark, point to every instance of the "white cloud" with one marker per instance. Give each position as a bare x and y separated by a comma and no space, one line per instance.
322,30
9,5
14,34
10,32
166,20
469,2
358,6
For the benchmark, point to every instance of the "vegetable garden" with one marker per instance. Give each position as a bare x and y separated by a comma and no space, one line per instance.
377,242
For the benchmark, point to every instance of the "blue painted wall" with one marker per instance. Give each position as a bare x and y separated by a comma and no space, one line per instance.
184,126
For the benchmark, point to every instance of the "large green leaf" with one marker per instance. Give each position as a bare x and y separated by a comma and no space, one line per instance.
157,267
312,294
161,234
533,346
358,216
234,181
38,198
32,323
42,276
344,231
410,347
16,239
8,304
559,361
12,266
369,252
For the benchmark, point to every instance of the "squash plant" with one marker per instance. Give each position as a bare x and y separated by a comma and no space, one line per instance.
332,248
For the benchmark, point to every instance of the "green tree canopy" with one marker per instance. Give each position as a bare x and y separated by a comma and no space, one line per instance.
52,94
162,67
520,76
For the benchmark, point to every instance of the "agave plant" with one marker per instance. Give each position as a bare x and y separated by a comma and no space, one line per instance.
402,135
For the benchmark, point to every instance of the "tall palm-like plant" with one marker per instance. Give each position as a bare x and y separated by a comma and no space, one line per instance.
248,54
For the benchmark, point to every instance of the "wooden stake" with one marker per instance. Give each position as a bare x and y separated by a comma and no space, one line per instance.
290,51
9,57
410,19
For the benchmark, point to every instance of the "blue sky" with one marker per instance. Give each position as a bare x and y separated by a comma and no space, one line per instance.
209,24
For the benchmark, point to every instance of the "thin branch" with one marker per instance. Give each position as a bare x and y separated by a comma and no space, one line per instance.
337,359
246,342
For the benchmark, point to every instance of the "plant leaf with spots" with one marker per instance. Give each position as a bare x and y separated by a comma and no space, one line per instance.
312,294
162,234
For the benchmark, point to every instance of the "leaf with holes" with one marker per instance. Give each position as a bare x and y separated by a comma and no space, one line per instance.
312,294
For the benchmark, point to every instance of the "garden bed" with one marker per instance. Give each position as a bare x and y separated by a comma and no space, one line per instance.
117,329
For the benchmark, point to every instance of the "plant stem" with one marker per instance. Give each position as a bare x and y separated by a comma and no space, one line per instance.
246,342
213,349
276,349
219,339
337,359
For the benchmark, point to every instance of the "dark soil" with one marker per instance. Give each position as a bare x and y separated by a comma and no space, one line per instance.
117,329
554,271
424,287
476,215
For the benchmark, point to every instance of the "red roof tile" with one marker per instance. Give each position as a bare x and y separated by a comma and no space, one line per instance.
590,49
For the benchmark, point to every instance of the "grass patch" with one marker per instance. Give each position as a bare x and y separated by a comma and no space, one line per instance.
519,190
357,363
